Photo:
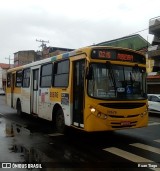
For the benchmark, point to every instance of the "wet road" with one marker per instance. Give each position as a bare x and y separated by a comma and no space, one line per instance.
30,140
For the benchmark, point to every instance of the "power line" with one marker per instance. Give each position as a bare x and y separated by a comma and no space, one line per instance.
139,31
146,29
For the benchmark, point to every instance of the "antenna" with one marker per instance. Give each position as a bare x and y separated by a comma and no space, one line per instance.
43,45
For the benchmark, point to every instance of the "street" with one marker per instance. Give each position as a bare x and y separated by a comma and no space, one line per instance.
32,140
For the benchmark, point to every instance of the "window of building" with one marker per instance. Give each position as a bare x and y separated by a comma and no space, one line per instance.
18,78
61,74
26,77
46,75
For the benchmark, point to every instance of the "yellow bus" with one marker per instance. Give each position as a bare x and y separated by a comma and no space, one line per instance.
92,88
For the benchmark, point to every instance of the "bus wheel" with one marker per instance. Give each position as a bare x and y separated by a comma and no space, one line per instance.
19,109
60,124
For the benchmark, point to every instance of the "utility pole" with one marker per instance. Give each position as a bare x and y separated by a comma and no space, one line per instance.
9,58
43,45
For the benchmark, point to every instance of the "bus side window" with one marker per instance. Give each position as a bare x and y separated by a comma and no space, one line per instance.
9,80
46,75
18,78
26,77
61,74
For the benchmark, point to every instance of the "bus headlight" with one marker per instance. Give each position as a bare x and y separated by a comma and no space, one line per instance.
93,110
97,113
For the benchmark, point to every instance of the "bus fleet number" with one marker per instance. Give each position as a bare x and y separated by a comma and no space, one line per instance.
54,94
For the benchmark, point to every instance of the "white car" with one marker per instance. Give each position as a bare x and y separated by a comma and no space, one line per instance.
2,92
154,103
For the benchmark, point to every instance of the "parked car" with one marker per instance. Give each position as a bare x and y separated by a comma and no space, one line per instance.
2,92
154,103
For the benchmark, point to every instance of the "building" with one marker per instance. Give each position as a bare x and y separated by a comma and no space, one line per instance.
135,42
153,79
53,51
28,56
24,57
3,75
50,51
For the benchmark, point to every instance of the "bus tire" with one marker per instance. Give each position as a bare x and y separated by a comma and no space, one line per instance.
19,108
60,123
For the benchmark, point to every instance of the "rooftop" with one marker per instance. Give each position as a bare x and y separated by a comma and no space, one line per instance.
135,42
4,66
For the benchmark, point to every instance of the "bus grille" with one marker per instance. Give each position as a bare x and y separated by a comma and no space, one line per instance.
123,105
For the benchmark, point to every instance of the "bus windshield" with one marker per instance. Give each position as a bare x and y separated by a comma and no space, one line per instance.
117,82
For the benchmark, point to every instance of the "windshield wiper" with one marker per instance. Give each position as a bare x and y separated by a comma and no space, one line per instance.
111,74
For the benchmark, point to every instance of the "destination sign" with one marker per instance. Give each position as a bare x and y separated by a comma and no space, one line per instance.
124,57
119,55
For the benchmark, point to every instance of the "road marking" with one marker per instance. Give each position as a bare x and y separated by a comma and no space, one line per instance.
157,141
126,155
153,123
146,147
129,156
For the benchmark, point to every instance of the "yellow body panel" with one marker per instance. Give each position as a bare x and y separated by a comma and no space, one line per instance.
105,118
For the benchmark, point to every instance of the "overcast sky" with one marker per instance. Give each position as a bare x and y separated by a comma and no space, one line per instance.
70,23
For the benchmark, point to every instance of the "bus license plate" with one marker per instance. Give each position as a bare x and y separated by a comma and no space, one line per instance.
126,123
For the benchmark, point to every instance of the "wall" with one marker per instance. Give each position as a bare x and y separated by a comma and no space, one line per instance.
24,57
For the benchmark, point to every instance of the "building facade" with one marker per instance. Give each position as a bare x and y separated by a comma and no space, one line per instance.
153,79
3,75
28,56
24,57
51,51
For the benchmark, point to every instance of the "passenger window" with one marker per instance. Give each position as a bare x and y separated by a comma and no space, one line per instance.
46,75
18,79
61,74
9,80
26,77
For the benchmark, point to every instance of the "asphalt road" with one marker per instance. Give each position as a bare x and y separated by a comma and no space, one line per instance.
33,140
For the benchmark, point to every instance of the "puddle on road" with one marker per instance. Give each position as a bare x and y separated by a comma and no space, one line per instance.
13,129
19,144
16,146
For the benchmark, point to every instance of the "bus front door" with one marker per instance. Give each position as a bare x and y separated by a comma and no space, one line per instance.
78,92
35,91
